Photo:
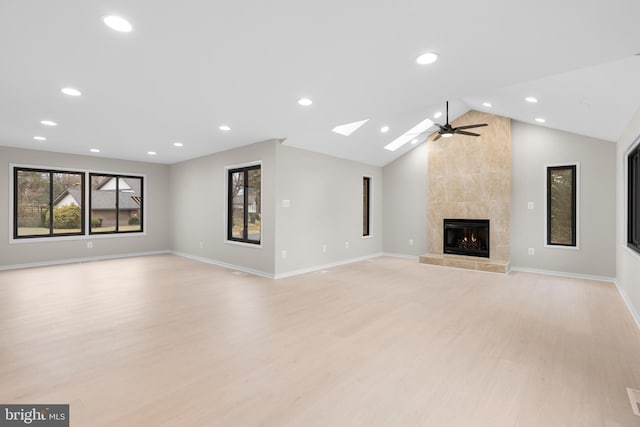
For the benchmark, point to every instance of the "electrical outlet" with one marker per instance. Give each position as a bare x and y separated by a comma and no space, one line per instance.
532,251
201,245
286,203
410,242
89,245
530,205
284,254
346,245
324,248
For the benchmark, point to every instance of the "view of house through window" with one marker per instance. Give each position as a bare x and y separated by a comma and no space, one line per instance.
47,203
244,204
561,205
366,205
115,204
633,227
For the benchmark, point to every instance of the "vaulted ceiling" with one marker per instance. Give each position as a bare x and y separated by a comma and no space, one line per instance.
190,66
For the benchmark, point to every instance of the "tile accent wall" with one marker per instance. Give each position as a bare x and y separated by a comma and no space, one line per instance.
470,177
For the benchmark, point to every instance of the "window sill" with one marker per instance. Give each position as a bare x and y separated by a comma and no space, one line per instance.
571,248
243,244
13,241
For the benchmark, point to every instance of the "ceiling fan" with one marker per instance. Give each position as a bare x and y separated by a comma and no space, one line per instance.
447,130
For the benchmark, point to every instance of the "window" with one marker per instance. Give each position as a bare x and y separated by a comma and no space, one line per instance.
561,205
37,193
633,227
244,204
366,206
115,203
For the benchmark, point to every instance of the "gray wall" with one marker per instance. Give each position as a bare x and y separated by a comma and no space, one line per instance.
157,227
405,208
534,147
198,207
325,195
628,261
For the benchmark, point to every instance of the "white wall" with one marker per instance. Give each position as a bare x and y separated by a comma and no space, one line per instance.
535,147
198,206
325,195
157,226
627,261
405,208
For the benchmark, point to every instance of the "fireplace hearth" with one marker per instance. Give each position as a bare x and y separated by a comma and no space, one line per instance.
466,237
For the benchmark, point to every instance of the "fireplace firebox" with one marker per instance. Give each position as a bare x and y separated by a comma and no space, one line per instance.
466,237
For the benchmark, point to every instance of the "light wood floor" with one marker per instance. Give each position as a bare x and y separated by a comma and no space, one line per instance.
166,341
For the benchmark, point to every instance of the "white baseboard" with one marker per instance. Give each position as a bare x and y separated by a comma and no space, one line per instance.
224,264
405,256
564,274
627,301
326,266
78,260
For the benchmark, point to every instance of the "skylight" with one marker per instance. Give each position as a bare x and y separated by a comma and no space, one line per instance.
409,135
349,128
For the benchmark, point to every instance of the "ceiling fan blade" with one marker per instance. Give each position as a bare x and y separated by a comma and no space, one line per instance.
438,136
464,132
472,126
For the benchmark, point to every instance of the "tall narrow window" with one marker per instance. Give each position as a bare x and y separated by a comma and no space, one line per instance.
633,227
561,205
116,204
47,203
244,204
366,206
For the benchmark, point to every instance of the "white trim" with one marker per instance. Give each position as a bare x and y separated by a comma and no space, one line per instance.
87,185
326,266
79,260
564,274
225,205
224,264
546,188
627,301
404,256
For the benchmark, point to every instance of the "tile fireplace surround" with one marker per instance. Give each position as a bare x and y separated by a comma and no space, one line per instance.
470,177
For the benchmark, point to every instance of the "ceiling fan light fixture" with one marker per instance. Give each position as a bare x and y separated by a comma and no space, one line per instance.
447,134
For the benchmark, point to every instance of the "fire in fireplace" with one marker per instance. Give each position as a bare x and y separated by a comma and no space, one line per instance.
466,237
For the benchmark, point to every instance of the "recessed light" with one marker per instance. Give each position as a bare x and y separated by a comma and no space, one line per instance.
384,129
39,138
427,58
414,141
151,153
224,128
540,120
487,104
437,115
349,128
178,144
48,123
70,91
531,99
305,102
117,23
94,150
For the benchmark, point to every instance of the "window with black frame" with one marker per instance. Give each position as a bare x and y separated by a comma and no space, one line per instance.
561,205
633,200
116,204
47,203
366,206
244,222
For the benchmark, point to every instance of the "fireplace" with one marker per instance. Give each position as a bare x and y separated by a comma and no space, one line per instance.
466,237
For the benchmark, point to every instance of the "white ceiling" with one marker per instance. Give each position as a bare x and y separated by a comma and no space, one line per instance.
191,65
